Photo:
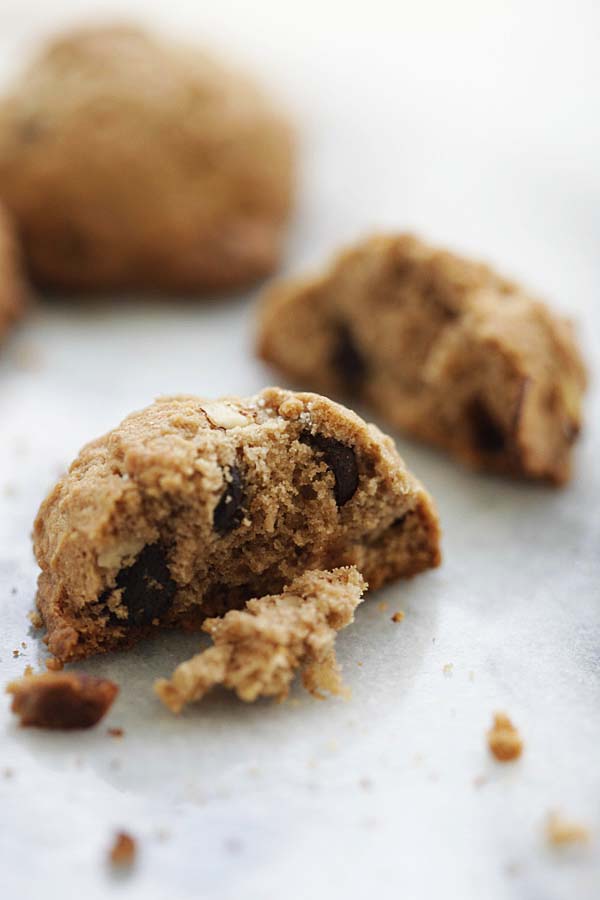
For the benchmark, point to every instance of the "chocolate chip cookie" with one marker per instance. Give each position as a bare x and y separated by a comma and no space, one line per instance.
132,162
12,289
257,651
440,347
190,507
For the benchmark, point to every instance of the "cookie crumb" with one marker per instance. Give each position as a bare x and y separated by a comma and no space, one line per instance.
560,832
115,732
258,650
398,616
16,654
123,851
504,740
27,671
448,669
61,700
34,616
382,606
54,665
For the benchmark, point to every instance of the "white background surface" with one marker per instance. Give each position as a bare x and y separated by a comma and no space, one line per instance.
476,124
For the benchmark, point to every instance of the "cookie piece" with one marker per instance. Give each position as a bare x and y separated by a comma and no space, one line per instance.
190,507
12,289
441,348
257,651
63,700
504,740
131,162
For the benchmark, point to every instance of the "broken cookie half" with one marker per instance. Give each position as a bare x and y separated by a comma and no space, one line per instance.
191,507
440,347
257,651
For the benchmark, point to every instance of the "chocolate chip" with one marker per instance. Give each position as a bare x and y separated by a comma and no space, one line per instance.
488,436
148,589
228,512
347,360
341,460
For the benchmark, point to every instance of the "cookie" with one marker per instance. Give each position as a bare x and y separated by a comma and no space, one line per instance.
439,347
131,162
257,651
191,507
12,288
62,700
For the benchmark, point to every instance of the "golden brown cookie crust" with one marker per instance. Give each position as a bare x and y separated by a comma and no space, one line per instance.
12,286
440,347
257,651
190,507
130,162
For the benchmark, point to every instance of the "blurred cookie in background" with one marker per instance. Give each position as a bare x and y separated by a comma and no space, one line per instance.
440,347
12,287
132,162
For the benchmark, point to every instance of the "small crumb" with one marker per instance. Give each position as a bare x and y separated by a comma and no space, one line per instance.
27,671
62,700
398,616
53,664
359,663
560,832
34,616
123,850
115,732
448,669
24,645
382,606
504,740
16,654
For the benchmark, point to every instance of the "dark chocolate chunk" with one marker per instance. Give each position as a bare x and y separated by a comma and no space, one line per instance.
488,436
347,360
228,512
148,589
341,459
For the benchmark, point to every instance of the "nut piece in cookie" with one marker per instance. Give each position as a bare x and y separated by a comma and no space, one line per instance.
257,651
129,161
504,740
12,286
189,508
441,348
62,700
